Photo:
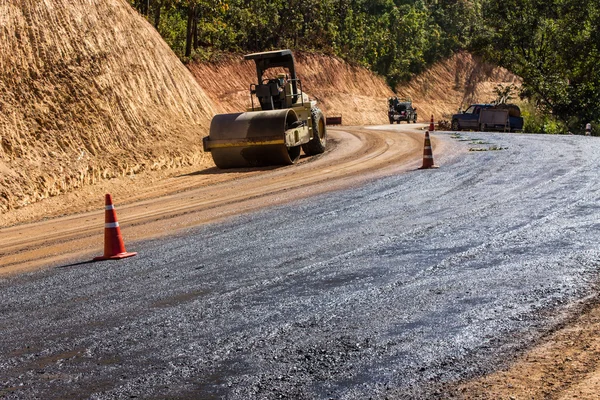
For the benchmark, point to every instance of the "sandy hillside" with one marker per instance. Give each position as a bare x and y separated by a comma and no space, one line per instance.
355,93
91,97
89,91
453,84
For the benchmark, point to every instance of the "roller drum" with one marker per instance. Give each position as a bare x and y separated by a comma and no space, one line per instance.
252,139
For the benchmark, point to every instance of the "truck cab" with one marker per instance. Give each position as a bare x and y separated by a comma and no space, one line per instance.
468,119
484,117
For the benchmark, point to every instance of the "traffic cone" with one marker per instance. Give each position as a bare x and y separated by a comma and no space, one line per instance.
427,153
114,248
431,125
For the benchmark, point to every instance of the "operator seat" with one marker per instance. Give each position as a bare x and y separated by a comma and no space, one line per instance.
268,95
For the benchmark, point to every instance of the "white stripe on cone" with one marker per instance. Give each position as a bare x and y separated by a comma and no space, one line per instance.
111,225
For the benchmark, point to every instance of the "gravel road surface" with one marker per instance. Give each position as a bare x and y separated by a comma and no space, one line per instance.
397,288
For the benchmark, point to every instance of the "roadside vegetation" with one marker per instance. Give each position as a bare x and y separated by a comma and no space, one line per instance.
393,38
551,44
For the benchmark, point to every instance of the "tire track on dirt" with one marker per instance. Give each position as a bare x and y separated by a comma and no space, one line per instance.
358,154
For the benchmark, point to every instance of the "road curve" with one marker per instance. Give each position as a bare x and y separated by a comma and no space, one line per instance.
396,288
354,155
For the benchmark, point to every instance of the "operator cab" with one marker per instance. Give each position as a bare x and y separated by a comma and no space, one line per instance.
278,92
272,93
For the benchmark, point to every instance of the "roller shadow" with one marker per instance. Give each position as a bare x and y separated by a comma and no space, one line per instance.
217,171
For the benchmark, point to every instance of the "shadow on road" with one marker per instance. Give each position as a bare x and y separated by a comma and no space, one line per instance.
77,264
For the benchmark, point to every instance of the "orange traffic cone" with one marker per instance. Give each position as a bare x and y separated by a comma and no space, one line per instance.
114,248
431,125
427,153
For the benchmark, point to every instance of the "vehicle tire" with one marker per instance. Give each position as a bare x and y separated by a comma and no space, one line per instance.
482,127
455,125
319,140
415,119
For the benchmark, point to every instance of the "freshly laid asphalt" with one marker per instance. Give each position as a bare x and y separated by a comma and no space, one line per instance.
398,288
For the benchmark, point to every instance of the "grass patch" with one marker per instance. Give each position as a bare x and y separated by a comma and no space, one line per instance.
490,148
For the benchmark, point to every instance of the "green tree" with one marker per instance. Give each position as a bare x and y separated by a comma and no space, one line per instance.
395,38
553,46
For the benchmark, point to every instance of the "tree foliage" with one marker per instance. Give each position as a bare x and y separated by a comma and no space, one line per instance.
395,38
551,44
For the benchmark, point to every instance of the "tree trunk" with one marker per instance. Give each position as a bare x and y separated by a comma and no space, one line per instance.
190,30
157,9
195,30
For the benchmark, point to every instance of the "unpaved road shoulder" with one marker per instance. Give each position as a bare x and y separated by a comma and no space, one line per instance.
564,365
148,209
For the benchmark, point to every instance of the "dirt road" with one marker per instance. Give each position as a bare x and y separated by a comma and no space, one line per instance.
153,209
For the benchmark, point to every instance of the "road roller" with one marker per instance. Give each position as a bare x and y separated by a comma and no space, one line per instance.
280,123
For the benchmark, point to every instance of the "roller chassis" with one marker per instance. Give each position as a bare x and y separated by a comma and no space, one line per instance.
280,122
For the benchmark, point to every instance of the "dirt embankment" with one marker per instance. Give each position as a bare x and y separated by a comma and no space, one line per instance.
355,93
89,91
453,84
93,100
564,365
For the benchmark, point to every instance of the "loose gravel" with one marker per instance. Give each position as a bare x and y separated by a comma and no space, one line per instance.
395,289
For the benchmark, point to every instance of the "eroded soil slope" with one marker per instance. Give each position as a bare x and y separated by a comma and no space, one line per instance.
359,95
355,93
89,91
453,84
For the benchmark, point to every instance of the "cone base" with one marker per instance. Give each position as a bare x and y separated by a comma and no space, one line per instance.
433,166
115,257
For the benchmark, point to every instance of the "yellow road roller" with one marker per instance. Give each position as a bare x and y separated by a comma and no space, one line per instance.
280,122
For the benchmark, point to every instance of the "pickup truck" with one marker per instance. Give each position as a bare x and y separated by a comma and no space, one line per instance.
401,110
486,117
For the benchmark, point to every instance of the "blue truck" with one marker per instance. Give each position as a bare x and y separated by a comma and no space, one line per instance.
489,117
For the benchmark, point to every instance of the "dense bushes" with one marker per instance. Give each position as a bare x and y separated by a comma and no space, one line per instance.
554,46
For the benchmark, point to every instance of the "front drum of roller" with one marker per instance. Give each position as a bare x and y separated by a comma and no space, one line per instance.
252,139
